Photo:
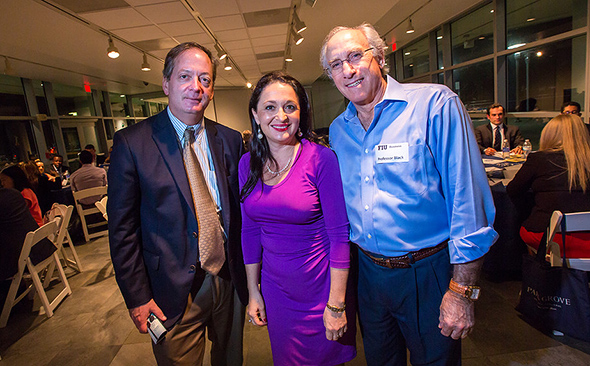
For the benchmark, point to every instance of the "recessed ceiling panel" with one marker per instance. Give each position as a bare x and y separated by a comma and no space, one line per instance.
269,48
156,44
80,6
216,8
232,35
116,19
269,30
200,38
271,64
267,41
248,6
140,33
218,24
145,2
236,45
163,13
181,28
264,56
267,17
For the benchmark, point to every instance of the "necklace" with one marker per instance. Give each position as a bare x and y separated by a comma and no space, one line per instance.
277,173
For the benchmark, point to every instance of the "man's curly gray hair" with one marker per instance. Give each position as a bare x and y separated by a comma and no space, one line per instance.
373,38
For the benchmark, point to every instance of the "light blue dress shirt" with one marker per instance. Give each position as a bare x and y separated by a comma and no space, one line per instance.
201,147
415,178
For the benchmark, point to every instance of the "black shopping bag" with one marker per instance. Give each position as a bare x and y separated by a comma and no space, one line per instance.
555,298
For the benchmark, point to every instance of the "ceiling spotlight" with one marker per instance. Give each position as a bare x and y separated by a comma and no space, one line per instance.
311,2
145,66
410,29
248,85
531,19
221,54
288,56
298,24
8,70
112,51
298,38
227,66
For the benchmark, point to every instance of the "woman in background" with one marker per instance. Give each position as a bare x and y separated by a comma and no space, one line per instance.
295,231
559,176
14,177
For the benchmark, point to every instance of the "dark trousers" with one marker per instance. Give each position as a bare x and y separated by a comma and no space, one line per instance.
399,309
215,308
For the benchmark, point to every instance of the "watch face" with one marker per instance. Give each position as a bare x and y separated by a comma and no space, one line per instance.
473,293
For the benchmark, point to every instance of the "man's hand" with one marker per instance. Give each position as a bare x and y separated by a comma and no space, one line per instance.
457,316
516,150
489,151
140,314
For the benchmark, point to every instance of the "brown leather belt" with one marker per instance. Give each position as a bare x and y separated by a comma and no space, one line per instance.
406,261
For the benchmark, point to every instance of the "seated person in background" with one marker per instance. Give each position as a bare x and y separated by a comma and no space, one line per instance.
490,136
57,169
13,177
88,176
559,175
92,150
32,172
571,108
15,222
47,183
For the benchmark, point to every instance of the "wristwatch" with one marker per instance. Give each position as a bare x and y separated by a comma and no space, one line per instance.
469,292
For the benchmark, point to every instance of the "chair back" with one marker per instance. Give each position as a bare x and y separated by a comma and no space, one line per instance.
102,207
83,212
573,222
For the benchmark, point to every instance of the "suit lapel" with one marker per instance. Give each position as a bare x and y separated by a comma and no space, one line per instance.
217,153
166,140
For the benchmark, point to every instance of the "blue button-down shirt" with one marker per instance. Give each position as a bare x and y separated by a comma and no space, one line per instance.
415,178
201,148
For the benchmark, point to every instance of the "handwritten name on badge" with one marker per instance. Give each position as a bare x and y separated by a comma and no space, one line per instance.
393,153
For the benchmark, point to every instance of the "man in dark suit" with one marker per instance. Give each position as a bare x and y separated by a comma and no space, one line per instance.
154,229
490,136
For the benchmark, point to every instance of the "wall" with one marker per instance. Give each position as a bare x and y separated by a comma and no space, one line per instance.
230,108
326,101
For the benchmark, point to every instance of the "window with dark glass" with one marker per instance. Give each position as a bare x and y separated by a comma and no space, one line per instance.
439,49
12,97
544,77
473,35
16,142
119,105
73,101
474,84
531,20
416,58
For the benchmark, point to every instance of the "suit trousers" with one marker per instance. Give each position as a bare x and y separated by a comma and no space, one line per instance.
399,309
216,308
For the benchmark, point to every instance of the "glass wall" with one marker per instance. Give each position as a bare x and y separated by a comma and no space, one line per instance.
12,97
544,77
473,35
73,101
531,20
474,84
416,58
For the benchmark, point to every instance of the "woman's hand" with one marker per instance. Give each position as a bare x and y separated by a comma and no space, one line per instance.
335,324
256,309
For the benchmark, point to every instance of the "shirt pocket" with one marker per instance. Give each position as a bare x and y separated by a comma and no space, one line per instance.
404,179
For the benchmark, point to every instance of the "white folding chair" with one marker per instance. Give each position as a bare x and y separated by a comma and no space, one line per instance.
102,207
47,231
63,237
574,222
83,212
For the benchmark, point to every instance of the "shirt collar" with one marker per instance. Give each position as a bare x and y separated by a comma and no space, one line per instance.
501,125
180,126
393,92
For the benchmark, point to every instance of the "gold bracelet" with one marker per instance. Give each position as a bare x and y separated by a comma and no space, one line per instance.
335,308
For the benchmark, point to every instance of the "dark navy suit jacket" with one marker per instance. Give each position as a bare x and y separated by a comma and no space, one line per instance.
483,135
153,230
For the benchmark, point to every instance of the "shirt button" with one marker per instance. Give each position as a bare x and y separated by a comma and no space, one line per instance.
366,207
192,268
195,235
369,236
366,151
367,179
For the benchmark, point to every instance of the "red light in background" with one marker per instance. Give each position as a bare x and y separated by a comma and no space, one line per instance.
393,46
87,88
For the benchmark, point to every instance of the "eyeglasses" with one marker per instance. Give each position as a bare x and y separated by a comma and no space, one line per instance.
577,113
354,59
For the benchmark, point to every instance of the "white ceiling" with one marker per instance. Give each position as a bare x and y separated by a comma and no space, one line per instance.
66,40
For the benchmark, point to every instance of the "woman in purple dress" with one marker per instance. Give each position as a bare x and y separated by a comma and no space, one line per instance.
295,231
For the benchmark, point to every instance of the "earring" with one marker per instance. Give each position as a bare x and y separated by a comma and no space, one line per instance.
300,133
260,135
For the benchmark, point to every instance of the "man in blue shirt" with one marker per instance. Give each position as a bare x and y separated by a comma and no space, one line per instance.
418,201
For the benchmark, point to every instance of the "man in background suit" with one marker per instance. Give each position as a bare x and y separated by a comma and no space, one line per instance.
490,136
154,224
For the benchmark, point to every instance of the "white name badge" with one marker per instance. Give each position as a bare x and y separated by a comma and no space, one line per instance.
393,153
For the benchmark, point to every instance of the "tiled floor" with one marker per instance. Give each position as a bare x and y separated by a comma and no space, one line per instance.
91,327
